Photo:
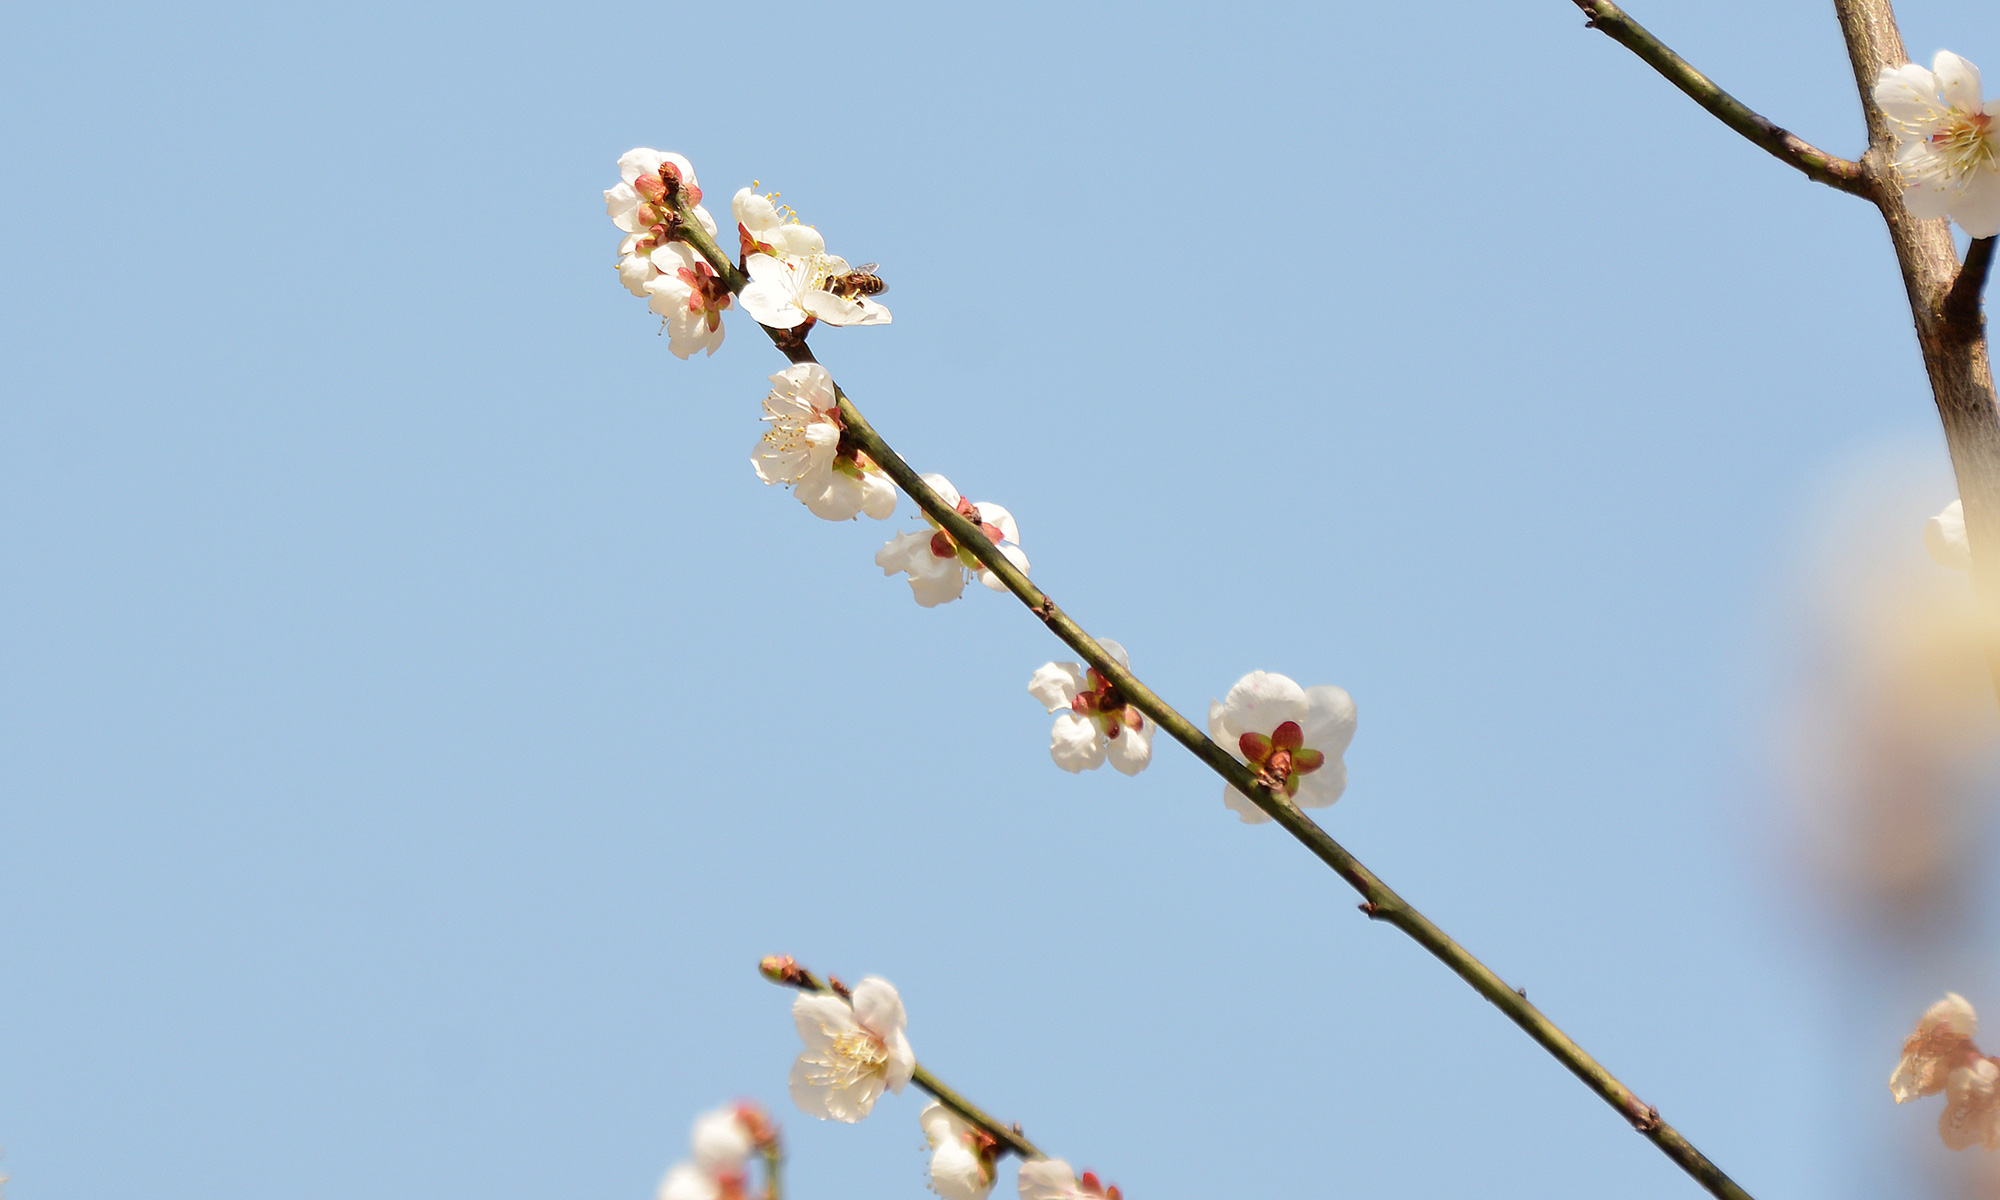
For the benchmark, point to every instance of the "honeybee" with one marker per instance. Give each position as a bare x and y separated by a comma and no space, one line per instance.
856,282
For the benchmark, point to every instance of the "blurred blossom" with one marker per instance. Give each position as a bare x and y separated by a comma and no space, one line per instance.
1889,741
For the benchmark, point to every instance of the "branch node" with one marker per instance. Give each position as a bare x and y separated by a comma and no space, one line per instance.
1368,909
1644,1117
839,989
1521,992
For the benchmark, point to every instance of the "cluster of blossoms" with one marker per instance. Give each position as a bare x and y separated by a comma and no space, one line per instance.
937,565
722,1143
1946,153
1940,1057
793,280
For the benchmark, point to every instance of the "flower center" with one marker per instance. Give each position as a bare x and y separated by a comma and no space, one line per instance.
1281,759
856,1054
1105,704
1966,144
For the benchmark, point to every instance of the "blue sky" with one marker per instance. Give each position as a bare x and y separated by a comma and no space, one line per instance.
416,721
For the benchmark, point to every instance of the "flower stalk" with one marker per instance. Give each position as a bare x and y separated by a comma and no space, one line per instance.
783,969
1379,901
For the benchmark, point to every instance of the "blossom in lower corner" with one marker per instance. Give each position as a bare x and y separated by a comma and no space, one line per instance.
937,564
1094,722
792,278
1052,1179
1947,153
1944,537
803,447
961,1154
1293,737
852,1051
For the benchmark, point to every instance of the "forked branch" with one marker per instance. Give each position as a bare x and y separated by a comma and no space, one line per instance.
1781,143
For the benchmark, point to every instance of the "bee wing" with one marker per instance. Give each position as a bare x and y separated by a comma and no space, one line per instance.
864,268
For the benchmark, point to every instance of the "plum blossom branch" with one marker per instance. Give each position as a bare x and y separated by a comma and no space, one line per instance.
1781,143
1379,901
782,969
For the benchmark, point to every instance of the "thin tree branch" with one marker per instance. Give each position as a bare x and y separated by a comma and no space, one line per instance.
1781,143
781,968
1378,900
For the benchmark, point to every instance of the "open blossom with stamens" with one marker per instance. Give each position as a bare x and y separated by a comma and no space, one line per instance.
803,447
689,294
961,1155
1291,736
1944,537
936,564
851,1051
1093,723
1052,1179
1947,152
792,277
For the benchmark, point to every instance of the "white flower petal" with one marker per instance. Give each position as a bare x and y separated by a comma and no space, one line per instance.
1329,723
957,1172
1131,750
1116,651
1908,97
688,1182
1048,1179
942,486
721,1143
878,495
1000,518
1263,700
1056,684
1322,787
1976,207
1944,537
1241,805
878,1007
1076,743
1957,80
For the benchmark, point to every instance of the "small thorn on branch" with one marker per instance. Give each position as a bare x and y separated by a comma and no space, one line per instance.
1521,992
1368,909
839,989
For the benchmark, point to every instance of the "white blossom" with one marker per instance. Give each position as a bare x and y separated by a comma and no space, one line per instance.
1947,154
1944,537
802,447
689,294
961,1155
1052,1179
851,1051
1292,736
1094,723
936,564
792,277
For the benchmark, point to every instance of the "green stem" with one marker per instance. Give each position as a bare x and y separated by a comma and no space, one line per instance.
1378,900
781,969
1781,143
773,1157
